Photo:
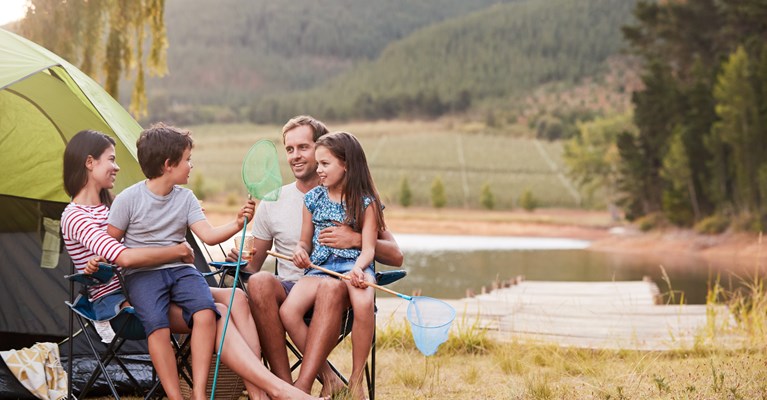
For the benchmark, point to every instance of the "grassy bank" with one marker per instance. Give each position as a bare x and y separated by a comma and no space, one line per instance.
472,368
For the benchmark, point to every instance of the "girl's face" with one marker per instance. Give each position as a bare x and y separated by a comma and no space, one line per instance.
331,170
103,170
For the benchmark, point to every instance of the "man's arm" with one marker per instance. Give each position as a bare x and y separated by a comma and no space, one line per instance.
343,236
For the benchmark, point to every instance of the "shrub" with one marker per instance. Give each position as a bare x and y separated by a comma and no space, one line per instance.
198,186
486,197
712,225
438,199
528,201
405,195
651,221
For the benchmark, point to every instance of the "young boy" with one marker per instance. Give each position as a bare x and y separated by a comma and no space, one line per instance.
157,212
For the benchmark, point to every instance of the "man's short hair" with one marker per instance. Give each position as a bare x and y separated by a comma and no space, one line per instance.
159,143
318,128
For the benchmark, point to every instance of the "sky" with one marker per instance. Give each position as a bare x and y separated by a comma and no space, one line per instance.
12,10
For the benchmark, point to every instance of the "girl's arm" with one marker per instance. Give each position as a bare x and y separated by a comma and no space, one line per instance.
149,256
304,247
369,238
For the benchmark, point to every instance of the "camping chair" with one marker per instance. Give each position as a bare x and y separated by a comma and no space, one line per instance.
382,278
125,325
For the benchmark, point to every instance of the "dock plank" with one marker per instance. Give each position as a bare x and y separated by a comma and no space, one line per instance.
582,314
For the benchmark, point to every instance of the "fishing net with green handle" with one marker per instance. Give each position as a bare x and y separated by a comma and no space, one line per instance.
261,171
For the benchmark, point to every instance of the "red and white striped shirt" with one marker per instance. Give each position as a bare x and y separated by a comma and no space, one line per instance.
84,229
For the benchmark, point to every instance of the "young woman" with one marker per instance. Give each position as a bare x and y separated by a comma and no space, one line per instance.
90,170
347,195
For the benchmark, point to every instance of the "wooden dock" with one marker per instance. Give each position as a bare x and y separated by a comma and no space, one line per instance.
615,315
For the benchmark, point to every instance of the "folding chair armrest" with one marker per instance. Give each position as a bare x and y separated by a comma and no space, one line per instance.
100,277
386,277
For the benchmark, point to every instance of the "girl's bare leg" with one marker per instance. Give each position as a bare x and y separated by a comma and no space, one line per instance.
362,334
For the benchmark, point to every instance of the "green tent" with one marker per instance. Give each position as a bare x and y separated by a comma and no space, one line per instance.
44,101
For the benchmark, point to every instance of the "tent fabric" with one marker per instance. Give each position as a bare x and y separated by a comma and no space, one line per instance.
44,101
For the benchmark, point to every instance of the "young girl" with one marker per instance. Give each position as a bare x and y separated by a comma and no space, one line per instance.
90,170
346,195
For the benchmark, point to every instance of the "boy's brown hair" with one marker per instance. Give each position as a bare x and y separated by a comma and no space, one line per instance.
159,143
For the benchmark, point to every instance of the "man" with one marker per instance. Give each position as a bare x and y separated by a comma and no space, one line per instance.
279,223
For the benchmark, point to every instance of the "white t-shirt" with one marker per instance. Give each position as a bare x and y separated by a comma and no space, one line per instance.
281,221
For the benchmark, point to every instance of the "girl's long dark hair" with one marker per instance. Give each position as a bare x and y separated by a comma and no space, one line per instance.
84,144
359,183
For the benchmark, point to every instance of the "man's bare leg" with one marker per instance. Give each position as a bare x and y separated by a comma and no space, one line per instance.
321,337
266,295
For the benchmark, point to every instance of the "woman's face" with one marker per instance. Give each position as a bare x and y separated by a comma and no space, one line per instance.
104,169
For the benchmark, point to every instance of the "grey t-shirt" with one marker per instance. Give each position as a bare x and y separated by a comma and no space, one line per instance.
150,220
281,221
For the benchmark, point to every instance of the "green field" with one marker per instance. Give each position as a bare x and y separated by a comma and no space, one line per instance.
417,151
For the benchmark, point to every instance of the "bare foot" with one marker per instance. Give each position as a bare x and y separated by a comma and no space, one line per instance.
333,384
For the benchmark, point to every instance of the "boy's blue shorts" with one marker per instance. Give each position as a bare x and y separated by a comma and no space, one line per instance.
151,293
106,307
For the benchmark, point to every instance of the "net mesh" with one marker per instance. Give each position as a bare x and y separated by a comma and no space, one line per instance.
261,171
430,320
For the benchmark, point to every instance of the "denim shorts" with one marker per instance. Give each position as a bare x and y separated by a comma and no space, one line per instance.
338,264
106,307
151,293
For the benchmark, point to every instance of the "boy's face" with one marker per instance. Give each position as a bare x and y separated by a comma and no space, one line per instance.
179,174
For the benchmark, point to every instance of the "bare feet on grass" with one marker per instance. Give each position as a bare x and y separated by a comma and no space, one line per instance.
331,386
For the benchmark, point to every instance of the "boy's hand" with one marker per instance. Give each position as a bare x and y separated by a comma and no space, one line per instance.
186,253
93,264
246,212
357,277
340,236
301,258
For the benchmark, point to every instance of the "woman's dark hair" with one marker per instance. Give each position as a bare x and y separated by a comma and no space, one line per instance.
359,182
83,144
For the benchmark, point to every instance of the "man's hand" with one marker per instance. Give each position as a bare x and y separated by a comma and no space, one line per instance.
234,253
93,264
186,253
340,236
246,211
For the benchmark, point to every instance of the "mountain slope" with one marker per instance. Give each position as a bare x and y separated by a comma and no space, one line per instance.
503,50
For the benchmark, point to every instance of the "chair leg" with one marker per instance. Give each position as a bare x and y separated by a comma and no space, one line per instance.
101,370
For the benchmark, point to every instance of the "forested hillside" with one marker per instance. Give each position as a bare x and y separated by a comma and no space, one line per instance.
264,61
229,52
501,51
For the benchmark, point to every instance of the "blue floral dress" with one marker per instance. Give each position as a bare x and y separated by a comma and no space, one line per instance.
324,213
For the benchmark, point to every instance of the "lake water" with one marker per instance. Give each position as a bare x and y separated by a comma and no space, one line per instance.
446,266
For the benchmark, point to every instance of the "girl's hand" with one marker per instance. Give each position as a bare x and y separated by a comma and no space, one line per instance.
357,276
93,264
246,211
301,258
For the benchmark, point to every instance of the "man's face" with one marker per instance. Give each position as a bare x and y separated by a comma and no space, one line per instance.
299,147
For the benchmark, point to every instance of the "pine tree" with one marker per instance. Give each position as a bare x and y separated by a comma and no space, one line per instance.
405,195
438,199
528,201
486,197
